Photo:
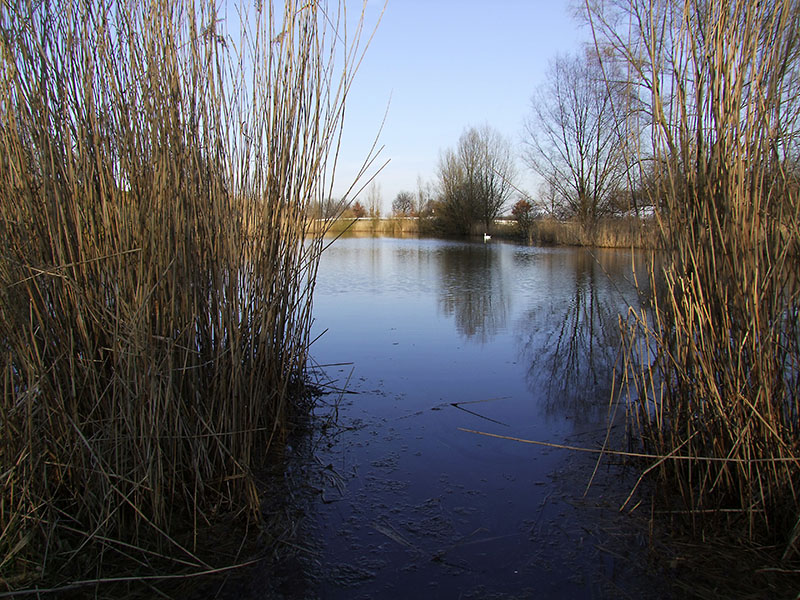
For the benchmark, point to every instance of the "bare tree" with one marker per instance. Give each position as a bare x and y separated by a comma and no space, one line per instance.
547,201
426,194
327,208
475,179
573,137
456,206
374,200
403,204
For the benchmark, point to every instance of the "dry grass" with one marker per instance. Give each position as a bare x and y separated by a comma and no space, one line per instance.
714,363
155,269
393,226
607,233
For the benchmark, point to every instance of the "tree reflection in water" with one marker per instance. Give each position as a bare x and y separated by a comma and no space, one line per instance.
474,290
570,335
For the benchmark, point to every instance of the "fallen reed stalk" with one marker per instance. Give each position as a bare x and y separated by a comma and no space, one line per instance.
156,266
621,453
713,365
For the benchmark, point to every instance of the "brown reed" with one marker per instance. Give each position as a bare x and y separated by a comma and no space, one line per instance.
714,362
156,266
622,232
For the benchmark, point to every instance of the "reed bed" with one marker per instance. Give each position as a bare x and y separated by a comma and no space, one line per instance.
713,384
623,232
156,268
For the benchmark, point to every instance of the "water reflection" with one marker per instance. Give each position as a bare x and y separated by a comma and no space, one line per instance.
569,337
473,290
420,507
450,312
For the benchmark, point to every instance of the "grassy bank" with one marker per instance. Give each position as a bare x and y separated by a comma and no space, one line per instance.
156,271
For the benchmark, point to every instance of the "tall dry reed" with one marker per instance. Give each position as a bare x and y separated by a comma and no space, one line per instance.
156,275
714,385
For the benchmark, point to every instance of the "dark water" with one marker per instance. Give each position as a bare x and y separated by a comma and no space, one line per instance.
498,338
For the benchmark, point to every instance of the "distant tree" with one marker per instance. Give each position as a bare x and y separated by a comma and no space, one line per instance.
475,179
548,202
374,200
573,140
523,212
426,195
403,204
327,209
359,211
456,206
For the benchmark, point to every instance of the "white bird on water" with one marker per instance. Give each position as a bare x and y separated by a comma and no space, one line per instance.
486,237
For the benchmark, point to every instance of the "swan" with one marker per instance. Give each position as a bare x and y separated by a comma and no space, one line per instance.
486,237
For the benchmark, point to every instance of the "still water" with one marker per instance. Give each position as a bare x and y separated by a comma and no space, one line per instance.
440,337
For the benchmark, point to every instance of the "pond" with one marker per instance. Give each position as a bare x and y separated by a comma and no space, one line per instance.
437,344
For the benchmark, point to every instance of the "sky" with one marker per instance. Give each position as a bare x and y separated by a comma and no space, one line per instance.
440,67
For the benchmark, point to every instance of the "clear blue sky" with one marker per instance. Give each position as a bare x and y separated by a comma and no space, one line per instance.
447,65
